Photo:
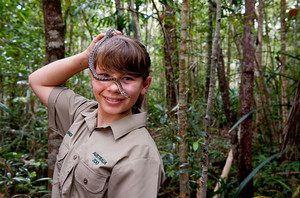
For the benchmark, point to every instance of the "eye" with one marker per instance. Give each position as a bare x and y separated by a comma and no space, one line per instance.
104,75
127,78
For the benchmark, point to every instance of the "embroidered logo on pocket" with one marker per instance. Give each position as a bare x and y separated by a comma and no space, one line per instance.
98,157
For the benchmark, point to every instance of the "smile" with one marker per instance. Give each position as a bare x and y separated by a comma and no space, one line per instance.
113,99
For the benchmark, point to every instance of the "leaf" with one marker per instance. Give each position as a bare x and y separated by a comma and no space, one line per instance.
21,179
284,185
43,179
2,106
243,118
195,146
252,174
147,18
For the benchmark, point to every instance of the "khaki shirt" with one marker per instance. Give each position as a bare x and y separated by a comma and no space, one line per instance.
117,160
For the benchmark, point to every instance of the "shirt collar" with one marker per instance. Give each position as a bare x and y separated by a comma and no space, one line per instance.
127,124
119,127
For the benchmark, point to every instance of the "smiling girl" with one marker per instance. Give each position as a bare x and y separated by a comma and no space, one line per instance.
106,150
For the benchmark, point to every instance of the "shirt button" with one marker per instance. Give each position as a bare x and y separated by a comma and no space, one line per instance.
85,181
74,157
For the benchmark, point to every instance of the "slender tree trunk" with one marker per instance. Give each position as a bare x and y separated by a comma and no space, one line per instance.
119,13
210,100
291,132
260,92
224,89
284,100
247,82
137,36
229,43
55,49
171,54
136,25
237,42
192,63
182,106
295,43
263,117
209,46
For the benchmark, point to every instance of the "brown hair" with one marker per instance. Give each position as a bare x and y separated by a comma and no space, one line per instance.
124,55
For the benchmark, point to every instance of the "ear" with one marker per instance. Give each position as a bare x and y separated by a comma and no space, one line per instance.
146,85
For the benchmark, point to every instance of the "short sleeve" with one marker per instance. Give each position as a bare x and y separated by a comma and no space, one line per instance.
138,178
63,108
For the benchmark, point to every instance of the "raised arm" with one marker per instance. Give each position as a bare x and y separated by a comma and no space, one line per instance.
43,80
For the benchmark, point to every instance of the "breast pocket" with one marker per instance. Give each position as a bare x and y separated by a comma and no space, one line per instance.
89,183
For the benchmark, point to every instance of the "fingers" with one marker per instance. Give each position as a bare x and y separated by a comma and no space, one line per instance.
100,36
117,33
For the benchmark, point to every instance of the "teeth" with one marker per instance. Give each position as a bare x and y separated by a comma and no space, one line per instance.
113,100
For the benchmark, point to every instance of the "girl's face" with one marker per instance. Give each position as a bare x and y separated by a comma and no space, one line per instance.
112,105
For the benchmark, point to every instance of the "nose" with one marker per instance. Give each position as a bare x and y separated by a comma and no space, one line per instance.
113,87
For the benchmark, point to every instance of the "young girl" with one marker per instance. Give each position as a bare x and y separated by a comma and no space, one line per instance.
106,150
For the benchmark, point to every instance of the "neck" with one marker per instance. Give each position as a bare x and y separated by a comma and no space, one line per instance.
103,119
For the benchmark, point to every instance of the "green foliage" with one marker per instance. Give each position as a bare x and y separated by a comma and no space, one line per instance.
23,162
23,120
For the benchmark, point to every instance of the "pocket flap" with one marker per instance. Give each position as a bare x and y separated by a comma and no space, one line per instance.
91,181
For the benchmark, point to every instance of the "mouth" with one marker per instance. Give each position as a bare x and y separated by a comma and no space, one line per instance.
113,100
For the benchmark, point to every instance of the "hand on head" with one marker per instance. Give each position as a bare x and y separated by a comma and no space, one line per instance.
96,39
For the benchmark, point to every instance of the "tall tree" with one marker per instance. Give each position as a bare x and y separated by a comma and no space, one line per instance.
247,81
210,99
209,46
55,49
284,100
182,106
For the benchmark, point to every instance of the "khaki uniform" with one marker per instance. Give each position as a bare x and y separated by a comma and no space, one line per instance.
117,160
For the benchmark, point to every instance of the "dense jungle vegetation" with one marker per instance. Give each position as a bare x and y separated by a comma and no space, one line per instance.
195,116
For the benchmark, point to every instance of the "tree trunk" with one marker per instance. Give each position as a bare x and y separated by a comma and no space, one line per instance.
224,89
284,100
237,42
210,99
119,13
247,81
209,46
136,25
291,132
171,54
170,51
55,49
260,91
295,43
263,117
229,42
224,173
192,63
182,106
